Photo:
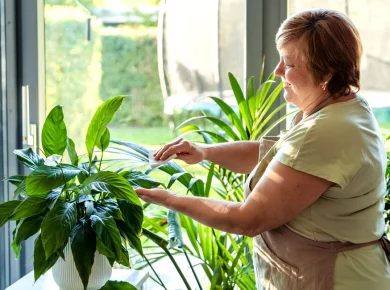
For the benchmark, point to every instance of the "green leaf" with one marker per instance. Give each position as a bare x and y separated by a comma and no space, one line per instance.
53,196
232,116
130,236
250,96
105,228
110,206
41,264
16,179
195,185
117,285
54,132
6,209
57,226
139,179
155,238
31,206
45,178
25,229
71,149
100,120
125,258
21,189
29,158
209,180
104,140
107,181
242,105
83,249
224,126
132,214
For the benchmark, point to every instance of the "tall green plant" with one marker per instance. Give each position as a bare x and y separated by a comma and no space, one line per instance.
75,204
223,257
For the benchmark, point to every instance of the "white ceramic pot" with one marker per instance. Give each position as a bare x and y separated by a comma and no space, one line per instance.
67,278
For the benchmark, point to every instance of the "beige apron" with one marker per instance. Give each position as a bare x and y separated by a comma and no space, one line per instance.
284,260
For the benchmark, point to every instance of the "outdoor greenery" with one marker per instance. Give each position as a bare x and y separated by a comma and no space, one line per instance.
129,66
117,61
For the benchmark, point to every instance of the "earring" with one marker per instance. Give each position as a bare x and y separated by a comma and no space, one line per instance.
324,86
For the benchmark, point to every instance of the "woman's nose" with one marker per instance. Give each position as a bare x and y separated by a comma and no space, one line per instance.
279,70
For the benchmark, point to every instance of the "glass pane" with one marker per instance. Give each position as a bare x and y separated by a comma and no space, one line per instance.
101,49
373,23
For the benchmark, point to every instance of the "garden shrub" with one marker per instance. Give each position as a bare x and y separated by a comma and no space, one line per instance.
129,65
73,66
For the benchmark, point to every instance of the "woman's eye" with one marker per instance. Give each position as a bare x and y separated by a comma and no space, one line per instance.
288,65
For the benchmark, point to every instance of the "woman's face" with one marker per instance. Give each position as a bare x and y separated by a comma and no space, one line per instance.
299,86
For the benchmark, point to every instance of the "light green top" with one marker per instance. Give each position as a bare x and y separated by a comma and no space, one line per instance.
342,143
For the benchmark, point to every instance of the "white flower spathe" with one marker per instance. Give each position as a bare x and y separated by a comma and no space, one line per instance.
53,160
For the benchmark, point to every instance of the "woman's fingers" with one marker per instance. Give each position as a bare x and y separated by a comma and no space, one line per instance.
178,147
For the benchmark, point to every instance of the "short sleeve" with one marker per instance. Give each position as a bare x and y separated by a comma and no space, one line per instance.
324,148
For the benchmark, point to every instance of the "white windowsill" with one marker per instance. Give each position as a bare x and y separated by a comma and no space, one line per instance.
46,282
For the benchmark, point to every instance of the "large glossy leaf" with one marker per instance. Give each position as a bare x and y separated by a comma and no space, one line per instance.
117,285
130,236
107,181
53,196
29,158
21,189
71,149
242,104
45,178
132,214
25,229
105,228
83,249
99,122
139,179
31,206
6,209
57,226
104,140
54,132
16,179
41,264
110,206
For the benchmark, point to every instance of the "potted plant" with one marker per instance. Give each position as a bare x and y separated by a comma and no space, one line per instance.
80,210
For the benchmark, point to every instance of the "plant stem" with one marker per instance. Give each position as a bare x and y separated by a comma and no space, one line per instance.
192,268
101,159
163,245
155,273
177,267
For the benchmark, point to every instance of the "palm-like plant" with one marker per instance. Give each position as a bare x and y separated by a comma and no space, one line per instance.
224,258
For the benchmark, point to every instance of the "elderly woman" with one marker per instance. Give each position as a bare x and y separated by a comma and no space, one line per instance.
315,200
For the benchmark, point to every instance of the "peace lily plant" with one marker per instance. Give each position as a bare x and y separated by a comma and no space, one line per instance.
76,204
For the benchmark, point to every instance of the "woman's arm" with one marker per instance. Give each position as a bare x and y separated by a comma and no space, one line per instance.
239,156
280,195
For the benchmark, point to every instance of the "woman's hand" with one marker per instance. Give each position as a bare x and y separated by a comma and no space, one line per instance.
185,150
156,195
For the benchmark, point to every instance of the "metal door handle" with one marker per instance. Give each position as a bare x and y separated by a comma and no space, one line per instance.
29,130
